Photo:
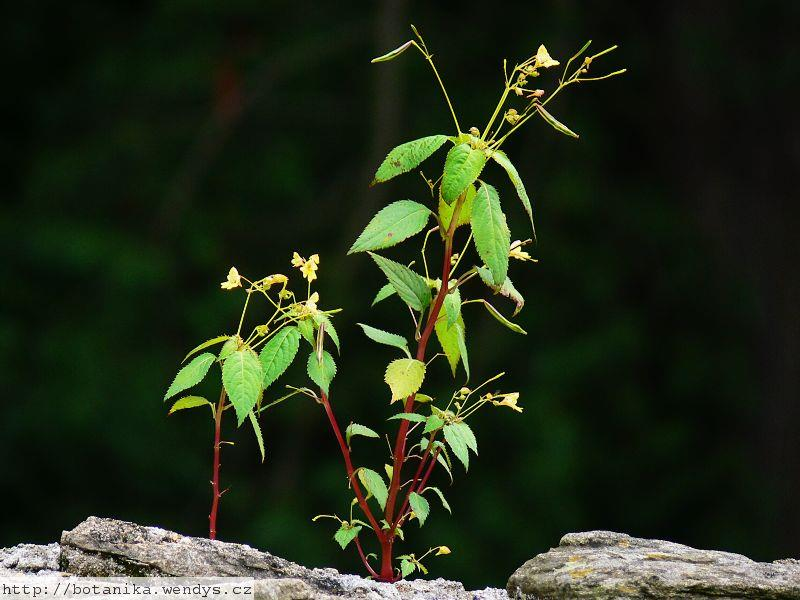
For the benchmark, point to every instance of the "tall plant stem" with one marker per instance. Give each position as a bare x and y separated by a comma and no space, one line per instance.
216,495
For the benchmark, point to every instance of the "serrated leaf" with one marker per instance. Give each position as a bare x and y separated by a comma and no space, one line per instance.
502,159
461,339
356,429
346,534
439,493
278,353
375,485
411,287
384,337
321,373
404,376
406,567
489,227
191,374
452,306
243,378
414,417
461,168
394,53
389,471
330,330
497,315
393,224
190,402
456,440
465,431
507,289
206,344
229,347
407,156
432,423
420,506
383,293
306,329
448,340
446,210
257,430
555,123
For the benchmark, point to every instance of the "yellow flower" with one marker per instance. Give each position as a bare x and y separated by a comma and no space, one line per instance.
234,280
509,400
311,303
442,550
517,252
314,258
543,58
307,267
297,260
279,278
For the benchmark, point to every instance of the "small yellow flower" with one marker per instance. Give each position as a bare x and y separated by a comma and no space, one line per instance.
297,260
512,116
442,550
517,252
543,58
262,329
234,280
309,270
314,258
509,400
279,278
311,303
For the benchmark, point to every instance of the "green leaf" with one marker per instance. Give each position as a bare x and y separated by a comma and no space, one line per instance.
555,123
465,431
391,55
461,168
452,306
420,506
374,484
462,345
441,497
229,347
190,402
492,237
411,287
278,353
384,337
346,534
414,417
406,567
257,430
406,156
393,224
306,329
460,439
330,330
404,376
191,374
496,314
321,374
383,293
448,340
356,429
206,344
243,378
507,289
446,210
422,398
432,423
502,159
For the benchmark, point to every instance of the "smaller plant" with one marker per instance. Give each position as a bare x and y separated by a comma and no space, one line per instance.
246,373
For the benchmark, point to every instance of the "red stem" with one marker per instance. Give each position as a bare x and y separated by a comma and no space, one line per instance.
370,570
419,489
414,481
216,495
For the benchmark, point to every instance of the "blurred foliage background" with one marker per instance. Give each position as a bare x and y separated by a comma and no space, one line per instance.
148,146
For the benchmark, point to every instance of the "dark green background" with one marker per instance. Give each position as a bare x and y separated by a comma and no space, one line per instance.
147,146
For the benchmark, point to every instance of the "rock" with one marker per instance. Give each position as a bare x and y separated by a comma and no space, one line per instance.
30,558
106,547
603,564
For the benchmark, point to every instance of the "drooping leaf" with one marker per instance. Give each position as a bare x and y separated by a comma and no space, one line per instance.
257,430
190,402
411,287
356,429
420,506
243,378
206,344
407,156
191,374
489,227
229,347
439,493
384,337
507,289
446,210
432,423
346,534
452,306
404,376
278,353
461,168
448,340
375,485
555,123
460,439
414,417
306,329
393,54
330,330
502,159
465,432
321,373
497,315
393,224
461,339
383,293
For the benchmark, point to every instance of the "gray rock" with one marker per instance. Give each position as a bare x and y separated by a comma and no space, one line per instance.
106,547
30,558
603,564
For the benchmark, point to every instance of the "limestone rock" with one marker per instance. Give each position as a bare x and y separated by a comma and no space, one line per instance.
30,558
603,565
